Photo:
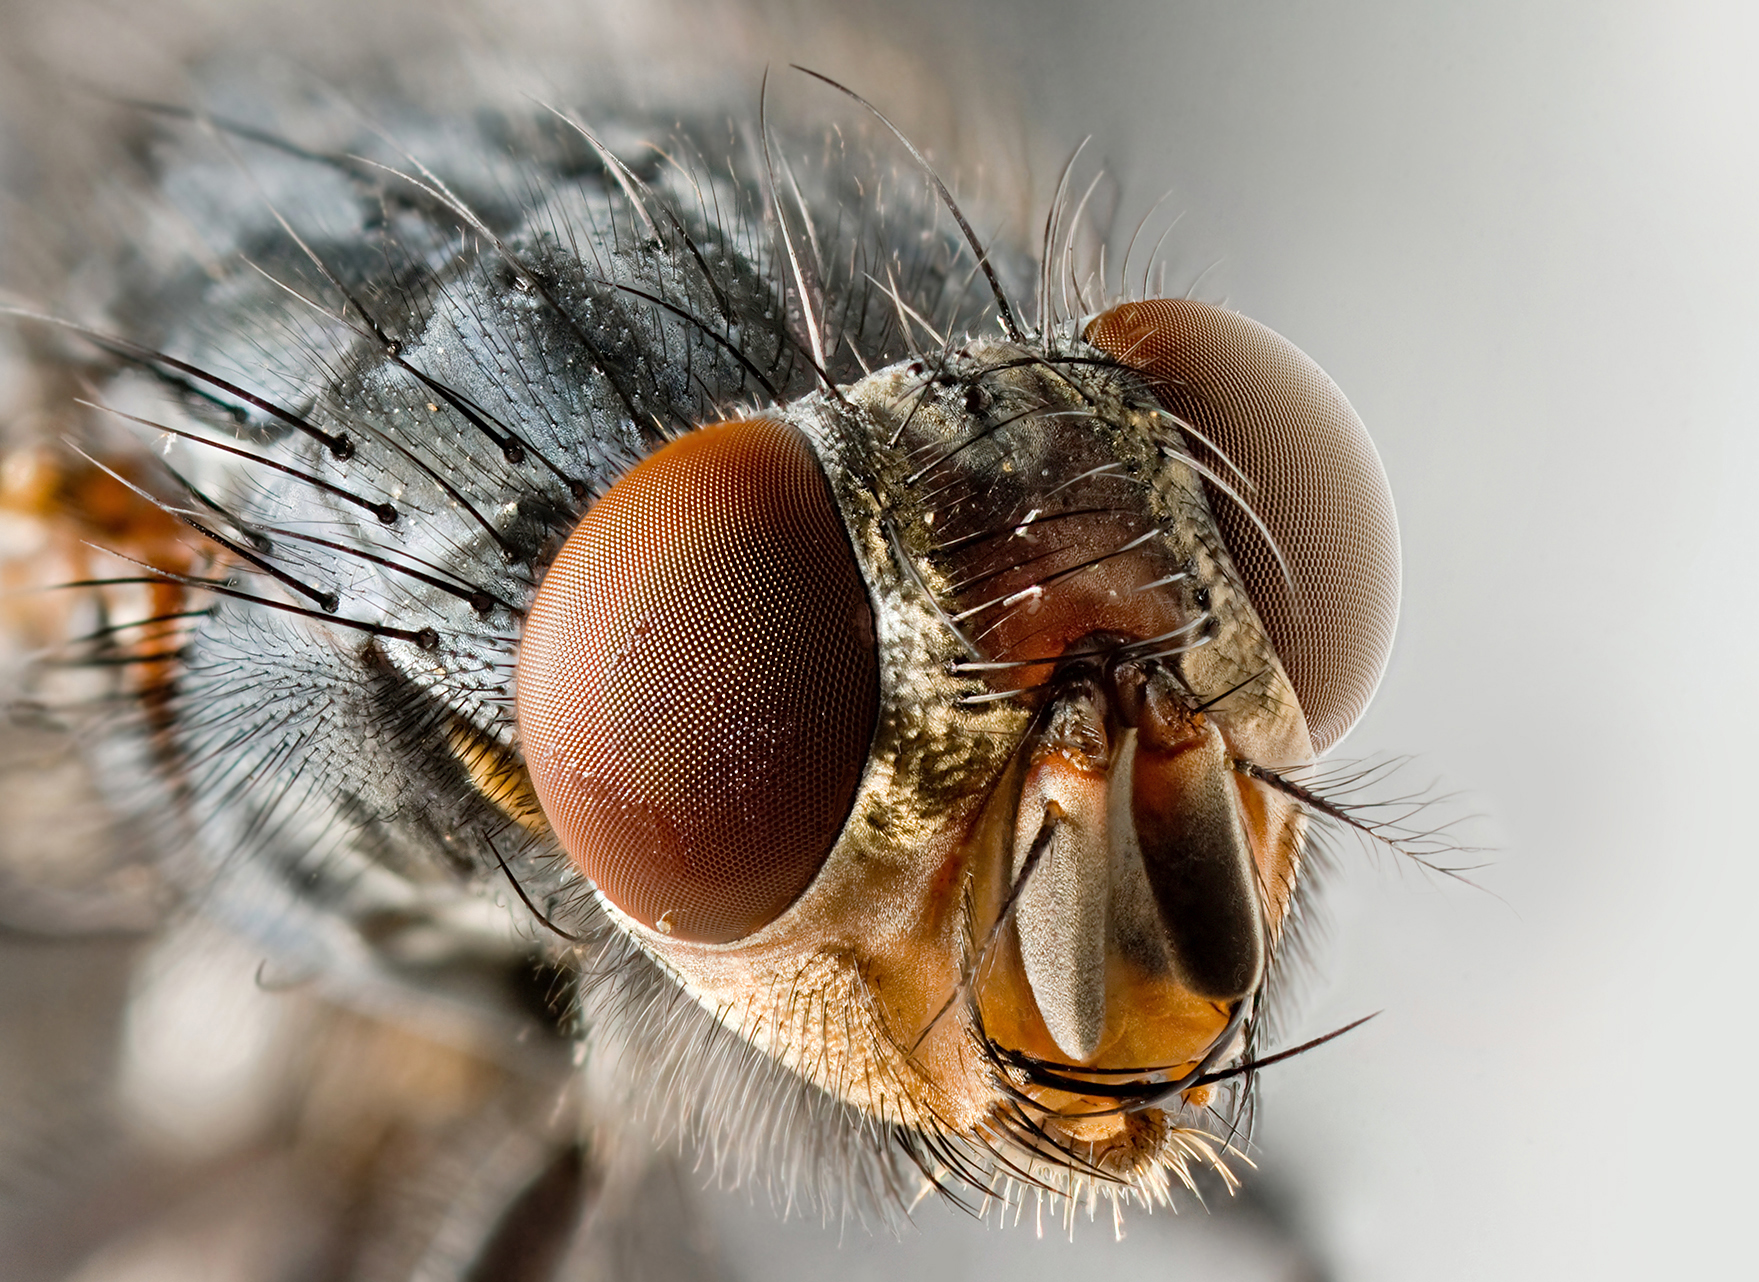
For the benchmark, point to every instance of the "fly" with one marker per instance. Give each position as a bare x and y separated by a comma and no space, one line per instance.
880,698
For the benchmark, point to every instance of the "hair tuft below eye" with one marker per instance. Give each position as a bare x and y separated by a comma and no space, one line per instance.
698,683
1258,408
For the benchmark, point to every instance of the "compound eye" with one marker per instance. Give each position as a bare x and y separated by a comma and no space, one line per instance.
698,682
1268,422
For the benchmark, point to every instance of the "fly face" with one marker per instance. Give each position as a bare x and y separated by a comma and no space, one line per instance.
928,733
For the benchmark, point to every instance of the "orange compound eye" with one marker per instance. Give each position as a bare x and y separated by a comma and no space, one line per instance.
1269,424
698,682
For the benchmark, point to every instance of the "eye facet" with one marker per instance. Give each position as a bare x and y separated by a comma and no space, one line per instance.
1268,422
698,682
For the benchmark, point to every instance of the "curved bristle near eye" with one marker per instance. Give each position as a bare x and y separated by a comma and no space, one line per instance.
1260,414
698,683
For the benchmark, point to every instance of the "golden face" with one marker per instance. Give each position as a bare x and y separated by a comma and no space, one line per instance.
891,732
